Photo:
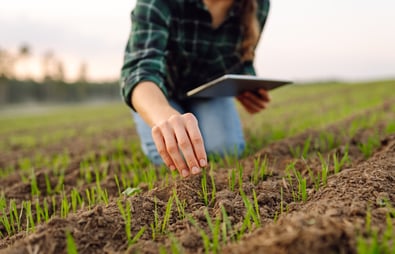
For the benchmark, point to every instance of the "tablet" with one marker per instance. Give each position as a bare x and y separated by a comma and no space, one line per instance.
233,85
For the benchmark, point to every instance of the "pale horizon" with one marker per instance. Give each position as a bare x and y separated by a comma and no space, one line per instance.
303,41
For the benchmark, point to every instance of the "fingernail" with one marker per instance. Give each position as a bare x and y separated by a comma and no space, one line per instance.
203,163
185,173
195,170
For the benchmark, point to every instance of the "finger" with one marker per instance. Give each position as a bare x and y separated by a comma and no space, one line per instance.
248,105
249,109
161,147
187,150
172,148
258,101
196,139
264,95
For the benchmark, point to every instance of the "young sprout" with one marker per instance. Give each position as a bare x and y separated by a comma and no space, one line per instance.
204,192
390,129
131,191
299,152
46,210
155,225
291,167
64,207
48,184
252,212
339,164
215,229
369,146
327,141
167,215
203,234
259,171
76,200
34,186
232,179
240,169
213,188
180,205
302,185
29,216
71,246
226,226
126,213
324,169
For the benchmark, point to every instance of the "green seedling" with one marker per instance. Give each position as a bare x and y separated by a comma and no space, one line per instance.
34,186
290,168
46,210
369,146
259,171
302,185
48,184
390,129
299,152
5,222
60,184
53,202
76,200
150,177
117,183
240,170
71,246
39,212
210,245
175,246
215,229
256,206
204,192
17,217
166,217
339,164
326,141
213,188
252,212
29,216
324,170
155,225
181,205
232,179
64,207
226,226
315,179
374,243
131,191
126,213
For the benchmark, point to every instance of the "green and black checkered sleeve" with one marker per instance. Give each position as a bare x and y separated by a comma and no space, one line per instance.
144,58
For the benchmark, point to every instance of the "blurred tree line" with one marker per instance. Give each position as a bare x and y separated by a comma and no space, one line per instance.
52,86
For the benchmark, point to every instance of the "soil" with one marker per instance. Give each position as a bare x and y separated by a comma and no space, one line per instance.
329,221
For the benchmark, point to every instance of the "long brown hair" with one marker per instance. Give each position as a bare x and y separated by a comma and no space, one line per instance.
250,25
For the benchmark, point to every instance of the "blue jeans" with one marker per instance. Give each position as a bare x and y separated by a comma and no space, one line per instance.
219,124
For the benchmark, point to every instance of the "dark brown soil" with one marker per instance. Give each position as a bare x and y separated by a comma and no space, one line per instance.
329,221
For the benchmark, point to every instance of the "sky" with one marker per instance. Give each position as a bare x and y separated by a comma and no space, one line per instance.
305,40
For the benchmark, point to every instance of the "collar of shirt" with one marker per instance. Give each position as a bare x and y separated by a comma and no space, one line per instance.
234,11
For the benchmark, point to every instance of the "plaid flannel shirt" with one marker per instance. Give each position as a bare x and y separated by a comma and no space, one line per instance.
172,43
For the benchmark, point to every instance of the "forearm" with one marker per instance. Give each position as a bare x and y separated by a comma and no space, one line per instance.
150,102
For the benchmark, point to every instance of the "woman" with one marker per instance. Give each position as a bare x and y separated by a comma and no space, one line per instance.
176,45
